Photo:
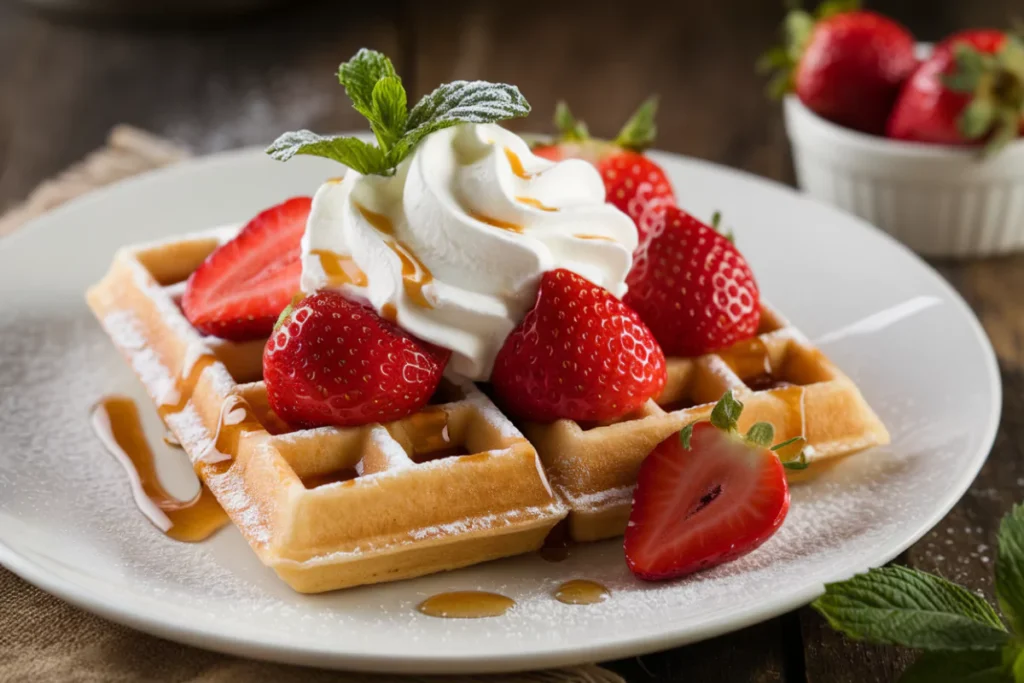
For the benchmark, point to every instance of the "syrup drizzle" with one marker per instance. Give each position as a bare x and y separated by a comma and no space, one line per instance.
603,238
581,592
171,440
415,275
186,386
389,312
116,422
517,164
341,270
748,358
466,605
535,203
496,222
378,220
556,545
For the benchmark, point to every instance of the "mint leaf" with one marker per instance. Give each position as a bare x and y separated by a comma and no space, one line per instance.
761,433
353,152
389,111
1010,568
726,412
464,102
973,666
901,606
360,74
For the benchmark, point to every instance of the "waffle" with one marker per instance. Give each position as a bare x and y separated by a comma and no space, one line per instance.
452,485
778,375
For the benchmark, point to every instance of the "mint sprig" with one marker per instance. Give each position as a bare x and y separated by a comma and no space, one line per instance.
376,92
963,637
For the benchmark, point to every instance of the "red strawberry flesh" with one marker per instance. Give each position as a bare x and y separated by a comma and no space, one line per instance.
239,291
692,287
578,354
698,507
334,362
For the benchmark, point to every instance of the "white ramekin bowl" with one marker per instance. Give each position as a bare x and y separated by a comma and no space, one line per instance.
938,200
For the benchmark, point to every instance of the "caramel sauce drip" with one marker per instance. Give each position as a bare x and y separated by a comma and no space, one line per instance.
748,358
341,270
428,430
517,164
336,180
602,238
557,544
496,222
535,203
171,440
389,312
581,592
116,421
186,386
415,275
466,605
378,220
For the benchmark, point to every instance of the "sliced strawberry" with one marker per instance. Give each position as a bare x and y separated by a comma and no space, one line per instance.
634,183
242,287
334,362
579,354
692,287
705,496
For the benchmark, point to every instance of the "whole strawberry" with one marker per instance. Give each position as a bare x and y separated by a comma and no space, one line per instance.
845,64
579,354
970,91
333,362
633,182
692,287
707,495
241,288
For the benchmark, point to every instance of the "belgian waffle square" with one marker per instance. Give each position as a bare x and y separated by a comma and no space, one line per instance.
326,508
778,375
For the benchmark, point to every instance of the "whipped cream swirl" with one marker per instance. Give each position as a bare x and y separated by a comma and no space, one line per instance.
452,247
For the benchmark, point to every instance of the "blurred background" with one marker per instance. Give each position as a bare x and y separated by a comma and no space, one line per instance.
226,73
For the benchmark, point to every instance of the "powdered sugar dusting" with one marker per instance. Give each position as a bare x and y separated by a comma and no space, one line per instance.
126,332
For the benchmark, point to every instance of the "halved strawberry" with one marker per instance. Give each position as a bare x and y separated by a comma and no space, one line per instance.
579,354
634,183
242,287
705,496
334,362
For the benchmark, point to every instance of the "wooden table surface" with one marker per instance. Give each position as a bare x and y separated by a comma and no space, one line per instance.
226,83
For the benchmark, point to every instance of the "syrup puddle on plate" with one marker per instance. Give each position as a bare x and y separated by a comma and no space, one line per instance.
116,422
466,605
581,592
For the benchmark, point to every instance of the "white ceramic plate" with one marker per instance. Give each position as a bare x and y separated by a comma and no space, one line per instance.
68,524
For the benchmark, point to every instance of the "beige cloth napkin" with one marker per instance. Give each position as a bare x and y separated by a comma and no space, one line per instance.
45,639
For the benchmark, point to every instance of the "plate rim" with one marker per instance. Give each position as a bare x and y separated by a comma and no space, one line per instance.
251,645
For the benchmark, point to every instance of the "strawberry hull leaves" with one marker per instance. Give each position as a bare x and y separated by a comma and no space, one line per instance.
377,93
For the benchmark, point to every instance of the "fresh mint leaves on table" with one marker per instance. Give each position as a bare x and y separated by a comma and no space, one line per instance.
377,93
963,637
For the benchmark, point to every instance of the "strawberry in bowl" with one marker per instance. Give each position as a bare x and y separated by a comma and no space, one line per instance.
944,177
